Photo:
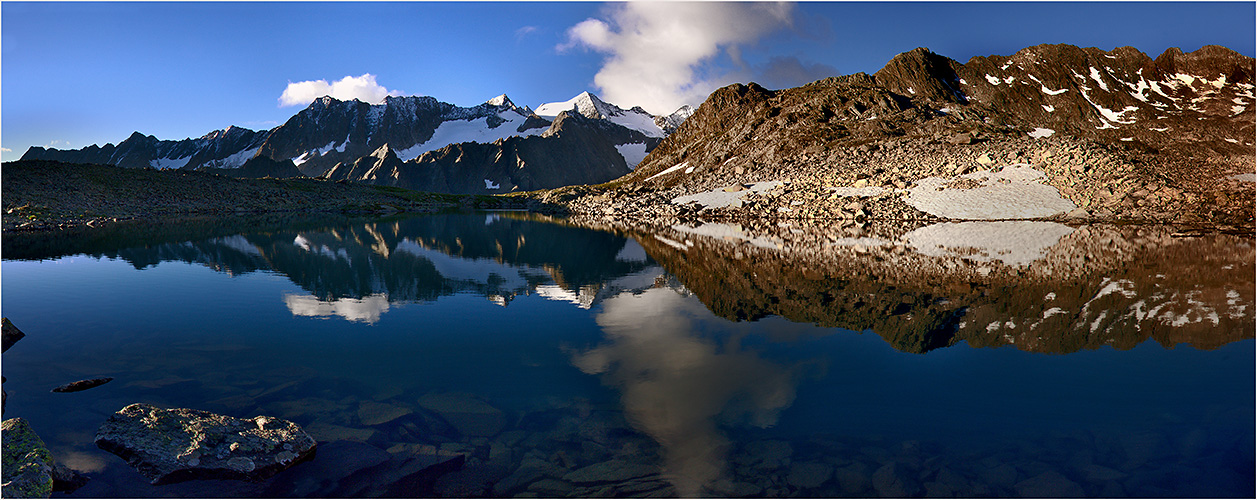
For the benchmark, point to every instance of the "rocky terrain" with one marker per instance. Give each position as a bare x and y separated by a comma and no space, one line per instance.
47,195
1118,136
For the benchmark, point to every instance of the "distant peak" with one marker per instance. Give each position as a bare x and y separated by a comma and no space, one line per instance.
500,100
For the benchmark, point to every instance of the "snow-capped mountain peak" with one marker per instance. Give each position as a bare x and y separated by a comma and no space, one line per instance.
500,100
590,106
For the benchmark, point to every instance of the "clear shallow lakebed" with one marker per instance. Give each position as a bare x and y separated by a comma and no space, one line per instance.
997,359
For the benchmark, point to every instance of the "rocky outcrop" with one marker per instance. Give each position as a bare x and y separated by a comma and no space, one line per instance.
10,334
28,464
180,444
82,385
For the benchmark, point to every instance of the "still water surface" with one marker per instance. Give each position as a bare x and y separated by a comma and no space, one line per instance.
713,365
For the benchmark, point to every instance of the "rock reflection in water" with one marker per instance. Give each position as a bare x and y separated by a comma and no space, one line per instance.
679,386
1040,286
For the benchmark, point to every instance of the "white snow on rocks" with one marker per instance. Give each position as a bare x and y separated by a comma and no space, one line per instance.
669,170
1249,177
1047,108
1095,75
719,198
164,163
993,80
235,160
1015,243
476,130
488,184
1015,192
633,153
1039,133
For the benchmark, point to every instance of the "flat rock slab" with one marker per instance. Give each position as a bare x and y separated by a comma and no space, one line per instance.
27,466
373,413
180,444
471,416
611,471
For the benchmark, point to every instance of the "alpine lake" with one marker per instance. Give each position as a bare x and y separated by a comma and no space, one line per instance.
985,359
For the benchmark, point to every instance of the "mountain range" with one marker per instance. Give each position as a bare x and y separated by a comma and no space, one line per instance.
414,142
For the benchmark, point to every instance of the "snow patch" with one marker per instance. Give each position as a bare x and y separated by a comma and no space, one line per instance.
1248,177
993,80
475,130
165,163
1039,133
671,169
235,160
1049,109
1095,75
488,184
719,198
633,153
1015,192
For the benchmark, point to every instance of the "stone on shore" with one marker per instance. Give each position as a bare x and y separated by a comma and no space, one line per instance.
9,333
28,465
180,444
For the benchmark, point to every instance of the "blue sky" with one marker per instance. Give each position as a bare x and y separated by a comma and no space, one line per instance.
76,74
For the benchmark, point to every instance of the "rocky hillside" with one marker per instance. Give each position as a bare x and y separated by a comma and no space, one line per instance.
1115,135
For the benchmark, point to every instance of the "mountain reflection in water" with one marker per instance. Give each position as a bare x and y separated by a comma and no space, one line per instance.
717,359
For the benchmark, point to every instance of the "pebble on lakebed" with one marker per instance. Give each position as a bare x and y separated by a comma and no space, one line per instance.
180,444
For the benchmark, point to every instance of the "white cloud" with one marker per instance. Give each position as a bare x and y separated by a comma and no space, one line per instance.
524,31
364,88
660,54
6,150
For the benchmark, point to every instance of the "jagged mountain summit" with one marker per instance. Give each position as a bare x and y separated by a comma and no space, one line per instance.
338,138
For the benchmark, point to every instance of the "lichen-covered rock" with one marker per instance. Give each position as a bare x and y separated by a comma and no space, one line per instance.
27,462
180,444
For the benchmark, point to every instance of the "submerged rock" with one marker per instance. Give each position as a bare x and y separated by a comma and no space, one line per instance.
9,333
471,416
180,444
27,467
82,385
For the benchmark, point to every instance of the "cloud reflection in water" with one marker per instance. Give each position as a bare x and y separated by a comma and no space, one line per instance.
679,386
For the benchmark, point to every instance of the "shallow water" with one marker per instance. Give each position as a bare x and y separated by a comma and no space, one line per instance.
710,360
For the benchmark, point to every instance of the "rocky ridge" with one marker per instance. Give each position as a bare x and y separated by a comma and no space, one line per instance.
1180,150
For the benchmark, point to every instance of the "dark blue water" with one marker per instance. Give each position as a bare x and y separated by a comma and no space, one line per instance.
588,349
